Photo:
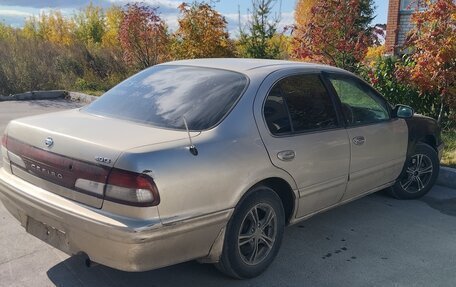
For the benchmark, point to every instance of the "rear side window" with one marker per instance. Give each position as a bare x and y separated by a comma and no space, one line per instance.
163,95
299,103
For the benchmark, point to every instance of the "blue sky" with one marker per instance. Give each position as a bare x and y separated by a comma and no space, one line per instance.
14,12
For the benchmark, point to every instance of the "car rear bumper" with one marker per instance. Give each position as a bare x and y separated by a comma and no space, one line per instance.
123,243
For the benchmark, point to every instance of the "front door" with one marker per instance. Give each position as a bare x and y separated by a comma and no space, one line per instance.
378,143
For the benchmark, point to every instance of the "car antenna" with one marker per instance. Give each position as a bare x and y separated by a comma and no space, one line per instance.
192,148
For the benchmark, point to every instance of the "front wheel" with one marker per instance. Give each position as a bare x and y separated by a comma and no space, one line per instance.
420,174
253,235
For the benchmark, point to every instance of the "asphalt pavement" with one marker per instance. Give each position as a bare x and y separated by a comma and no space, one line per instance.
374,241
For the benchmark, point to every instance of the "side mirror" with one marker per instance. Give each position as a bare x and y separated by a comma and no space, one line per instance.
403,111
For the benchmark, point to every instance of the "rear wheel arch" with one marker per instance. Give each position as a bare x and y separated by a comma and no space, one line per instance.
261,198
283,189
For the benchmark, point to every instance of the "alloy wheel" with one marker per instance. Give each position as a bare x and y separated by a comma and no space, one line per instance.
257,234
419,173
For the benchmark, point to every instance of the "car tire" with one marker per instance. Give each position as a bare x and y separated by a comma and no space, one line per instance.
419,175
253,235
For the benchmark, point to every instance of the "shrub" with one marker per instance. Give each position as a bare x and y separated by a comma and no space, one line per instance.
380,73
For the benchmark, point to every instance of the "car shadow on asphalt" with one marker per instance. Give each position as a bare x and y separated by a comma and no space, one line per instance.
73,272
311,246
352,242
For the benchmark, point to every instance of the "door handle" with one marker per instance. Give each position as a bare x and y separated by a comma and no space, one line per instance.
359,140
286,155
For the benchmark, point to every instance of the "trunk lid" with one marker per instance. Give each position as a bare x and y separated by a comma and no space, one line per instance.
55,151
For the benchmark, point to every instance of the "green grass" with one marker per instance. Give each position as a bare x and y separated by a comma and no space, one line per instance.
449,153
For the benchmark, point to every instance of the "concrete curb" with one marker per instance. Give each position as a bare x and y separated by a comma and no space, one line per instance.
50,95
80,97
36,95
447,177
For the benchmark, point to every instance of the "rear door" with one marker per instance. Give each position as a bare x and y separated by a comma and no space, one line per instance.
303,136
378,142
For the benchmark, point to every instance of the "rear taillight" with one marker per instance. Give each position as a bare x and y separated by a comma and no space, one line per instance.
4,139
131,188
3,151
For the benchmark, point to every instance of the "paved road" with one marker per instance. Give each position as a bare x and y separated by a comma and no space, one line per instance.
375,241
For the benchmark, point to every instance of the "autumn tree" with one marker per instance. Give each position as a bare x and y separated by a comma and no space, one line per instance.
303,11
202,33
114,17
337,33
257,41
302,16
6,31
52,27
143,36
432,64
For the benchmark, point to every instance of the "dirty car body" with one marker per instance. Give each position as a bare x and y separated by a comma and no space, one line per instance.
209,160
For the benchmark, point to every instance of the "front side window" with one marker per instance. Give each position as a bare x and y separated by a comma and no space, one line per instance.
297,104
360,104
163,95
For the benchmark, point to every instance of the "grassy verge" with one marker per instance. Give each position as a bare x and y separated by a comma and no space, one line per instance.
449,153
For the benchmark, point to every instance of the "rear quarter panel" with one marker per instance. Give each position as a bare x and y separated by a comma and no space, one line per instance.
231,159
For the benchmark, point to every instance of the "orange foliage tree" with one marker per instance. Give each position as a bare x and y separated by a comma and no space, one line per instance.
336,33
143,36
432,64
303,12
202,33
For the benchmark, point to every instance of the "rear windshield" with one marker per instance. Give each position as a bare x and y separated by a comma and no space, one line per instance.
163,95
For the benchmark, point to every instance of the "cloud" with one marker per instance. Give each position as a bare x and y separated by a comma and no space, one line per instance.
13,20
164,5
14,12
7,12
53,3
286,19
171,21
13,17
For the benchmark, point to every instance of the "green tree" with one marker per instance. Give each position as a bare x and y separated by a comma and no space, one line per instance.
380,72
90,24
261,29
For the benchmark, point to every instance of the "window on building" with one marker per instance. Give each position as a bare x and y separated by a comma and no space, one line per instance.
408,5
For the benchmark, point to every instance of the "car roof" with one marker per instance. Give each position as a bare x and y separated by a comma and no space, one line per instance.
244,65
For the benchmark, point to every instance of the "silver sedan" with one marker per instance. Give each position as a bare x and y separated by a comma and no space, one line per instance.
210,160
